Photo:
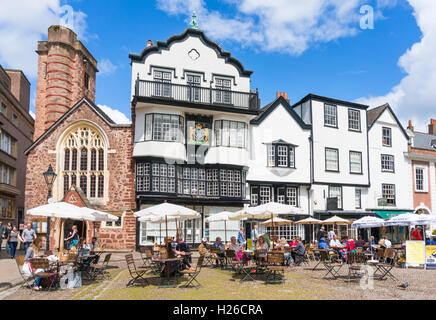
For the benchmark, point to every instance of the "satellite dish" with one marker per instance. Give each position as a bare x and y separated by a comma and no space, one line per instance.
51,201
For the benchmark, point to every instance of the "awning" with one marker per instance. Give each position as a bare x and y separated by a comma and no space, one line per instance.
387,214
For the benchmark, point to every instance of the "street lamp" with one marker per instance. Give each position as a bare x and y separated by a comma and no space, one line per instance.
49,177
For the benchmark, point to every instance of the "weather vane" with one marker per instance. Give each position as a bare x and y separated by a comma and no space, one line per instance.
194,24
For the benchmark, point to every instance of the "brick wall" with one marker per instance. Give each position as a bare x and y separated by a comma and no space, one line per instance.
121,190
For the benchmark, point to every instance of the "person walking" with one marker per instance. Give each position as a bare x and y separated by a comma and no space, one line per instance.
241,237
28,236
2,232
74,238
8,230
13,240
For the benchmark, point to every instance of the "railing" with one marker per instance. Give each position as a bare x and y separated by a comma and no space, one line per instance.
197,94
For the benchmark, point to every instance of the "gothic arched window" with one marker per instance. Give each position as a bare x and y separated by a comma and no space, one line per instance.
84,155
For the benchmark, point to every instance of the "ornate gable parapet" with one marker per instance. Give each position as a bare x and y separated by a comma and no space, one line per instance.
165,45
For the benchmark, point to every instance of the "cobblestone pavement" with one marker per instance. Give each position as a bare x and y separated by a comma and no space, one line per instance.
301,283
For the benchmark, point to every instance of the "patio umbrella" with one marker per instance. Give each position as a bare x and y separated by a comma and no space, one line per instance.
63,210
336,221
277,222
166,210
405,219
368,222
310,221
157,219
218,217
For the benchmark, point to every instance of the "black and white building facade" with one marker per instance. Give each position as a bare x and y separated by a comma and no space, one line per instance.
202,140
192,106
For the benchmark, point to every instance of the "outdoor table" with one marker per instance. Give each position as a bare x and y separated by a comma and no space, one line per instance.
168,262
82,264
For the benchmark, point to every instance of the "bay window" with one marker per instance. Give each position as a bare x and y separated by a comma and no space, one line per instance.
230,134
164,127
281,155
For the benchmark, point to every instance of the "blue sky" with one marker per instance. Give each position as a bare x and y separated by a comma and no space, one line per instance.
338,60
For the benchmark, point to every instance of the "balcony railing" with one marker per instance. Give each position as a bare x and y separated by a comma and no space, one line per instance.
197,95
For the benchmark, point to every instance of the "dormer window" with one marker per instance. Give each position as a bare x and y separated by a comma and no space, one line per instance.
281,155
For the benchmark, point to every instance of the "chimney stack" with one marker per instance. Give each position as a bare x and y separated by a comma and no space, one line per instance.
149,43
284,95
432,127
410,127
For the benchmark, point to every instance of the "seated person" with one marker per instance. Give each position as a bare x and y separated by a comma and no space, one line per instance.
31,253
262,245
202,249
299,251
385,243
373,242
350,245
336,244
267,239
93,245
287,254
322,244
183,248
236,247
221,255
360,243
293,242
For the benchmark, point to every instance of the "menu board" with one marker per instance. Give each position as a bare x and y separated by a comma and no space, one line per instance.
415,253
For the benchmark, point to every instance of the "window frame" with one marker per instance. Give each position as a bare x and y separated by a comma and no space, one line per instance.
381,163
325,159
335,115
390,137
424,178
359,120
361,162
218,130
181,128
275,148
358,191
341,207
395,194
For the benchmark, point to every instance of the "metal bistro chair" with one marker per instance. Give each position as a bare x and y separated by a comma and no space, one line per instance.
101,268
330,265
275,267
193,273
217,256
209,257
231,259
355,265
385,267
41,263
26,280
135,274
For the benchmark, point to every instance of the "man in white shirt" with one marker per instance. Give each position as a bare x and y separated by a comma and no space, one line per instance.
335,242
388,243
331,234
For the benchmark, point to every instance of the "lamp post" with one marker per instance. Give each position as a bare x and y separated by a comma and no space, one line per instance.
49,177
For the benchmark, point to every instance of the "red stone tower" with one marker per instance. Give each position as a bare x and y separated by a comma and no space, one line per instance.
66,73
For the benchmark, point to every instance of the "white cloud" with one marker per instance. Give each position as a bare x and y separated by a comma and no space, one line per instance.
116,115
23,23
106,67
414,97
32,114
290,26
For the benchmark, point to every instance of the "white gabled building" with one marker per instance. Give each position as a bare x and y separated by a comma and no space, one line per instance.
339,171
391,190
279,167
191,106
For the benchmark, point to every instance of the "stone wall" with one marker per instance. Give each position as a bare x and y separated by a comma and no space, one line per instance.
121,190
